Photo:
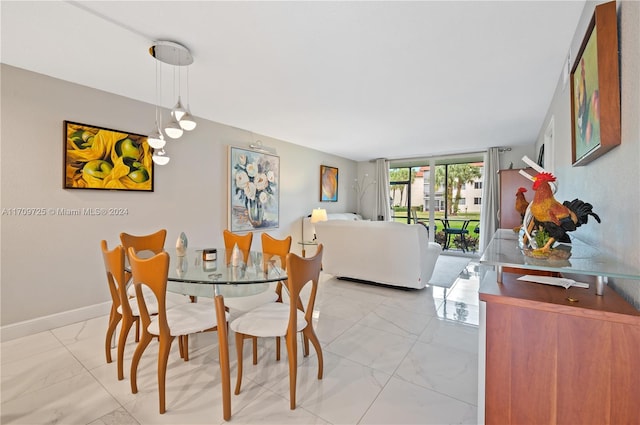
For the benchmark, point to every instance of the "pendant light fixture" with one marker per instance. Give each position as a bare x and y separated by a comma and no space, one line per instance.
181,119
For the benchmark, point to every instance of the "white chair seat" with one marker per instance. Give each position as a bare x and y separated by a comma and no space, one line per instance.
151,303
267,320
131,292
185,319
172,300
245,304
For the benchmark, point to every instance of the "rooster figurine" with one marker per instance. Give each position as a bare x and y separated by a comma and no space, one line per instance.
555,218
521,205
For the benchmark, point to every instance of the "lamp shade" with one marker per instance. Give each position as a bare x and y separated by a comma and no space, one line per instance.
178,111
318,214
156,139
187,122
160,157
173,130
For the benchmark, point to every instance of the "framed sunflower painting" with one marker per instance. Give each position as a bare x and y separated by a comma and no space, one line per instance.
100,158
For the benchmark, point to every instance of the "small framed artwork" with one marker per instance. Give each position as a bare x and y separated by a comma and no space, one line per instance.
101,158
254,178
541,156
595,89
328,184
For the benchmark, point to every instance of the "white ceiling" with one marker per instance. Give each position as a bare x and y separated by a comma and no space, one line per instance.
357,79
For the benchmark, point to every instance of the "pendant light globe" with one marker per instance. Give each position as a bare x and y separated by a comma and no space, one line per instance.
173,129
160,157
187,122
156,139
178,111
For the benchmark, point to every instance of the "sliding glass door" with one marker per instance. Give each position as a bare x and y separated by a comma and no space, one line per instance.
454,201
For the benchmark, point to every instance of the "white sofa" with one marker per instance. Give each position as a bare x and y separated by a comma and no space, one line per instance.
384,252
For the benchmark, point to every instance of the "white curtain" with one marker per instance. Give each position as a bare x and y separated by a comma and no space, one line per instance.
490,197
383,206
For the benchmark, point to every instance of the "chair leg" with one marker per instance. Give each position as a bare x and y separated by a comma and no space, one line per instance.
122,340
292,351
278,348
145,339
239,351
305,345
163,356
311,335
137,319
185,347
254,340
114,318
181,346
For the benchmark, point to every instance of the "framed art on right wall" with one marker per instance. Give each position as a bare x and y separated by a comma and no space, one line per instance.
595,89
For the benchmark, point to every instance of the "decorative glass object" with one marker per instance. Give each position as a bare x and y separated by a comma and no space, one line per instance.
181,245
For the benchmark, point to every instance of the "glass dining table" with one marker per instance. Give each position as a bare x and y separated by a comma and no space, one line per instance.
192,275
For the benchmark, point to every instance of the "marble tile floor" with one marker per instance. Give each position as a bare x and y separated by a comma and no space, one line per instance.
391,356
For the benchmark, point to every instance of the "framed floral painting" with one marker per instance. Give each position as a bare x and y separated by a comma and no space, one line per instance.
254,179
101,158
328,184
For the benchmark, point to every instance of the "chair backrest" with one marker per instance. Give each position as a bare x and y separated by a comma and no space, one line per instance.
243,242
272,247
117,276
301,271
153,242
151,272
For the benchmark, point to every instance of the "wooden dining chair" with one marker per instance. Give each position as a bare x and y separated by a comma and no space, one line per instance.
285,320
279,248
243,242
154,243
273,250
179,321
124,309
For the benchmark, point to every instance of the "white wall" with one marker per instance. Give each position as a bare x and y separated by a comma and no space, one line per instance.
52,264
612,182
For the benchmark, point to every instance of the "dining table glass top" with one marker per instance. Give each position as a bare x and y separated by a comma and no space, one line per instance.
191,275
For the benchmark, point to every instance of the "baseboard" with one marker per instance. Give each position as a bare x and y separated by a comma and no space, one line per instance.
45,323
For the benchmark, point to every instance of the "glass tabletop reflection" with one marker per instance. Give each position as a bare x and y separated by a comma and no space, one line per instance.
191,275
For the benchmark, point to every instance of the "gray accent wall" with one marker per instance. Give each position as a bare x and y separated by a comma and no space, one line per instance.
52,264
612,182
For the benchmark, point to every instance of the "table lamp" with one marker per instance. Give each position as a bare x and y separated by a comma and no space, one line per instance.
318,214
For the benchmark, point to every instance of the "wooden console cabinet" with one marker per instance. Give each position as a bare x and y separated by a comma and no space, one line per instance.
552,361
